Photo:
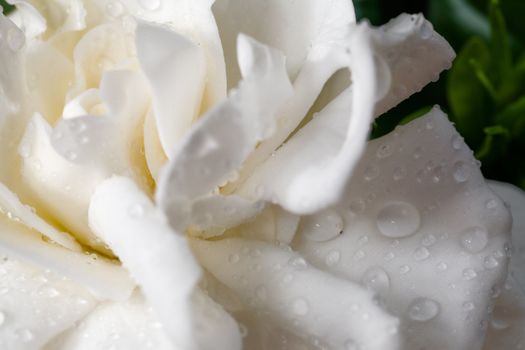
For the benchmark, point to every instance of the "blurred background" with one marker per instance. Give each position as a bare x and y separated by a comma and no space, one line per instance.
484,92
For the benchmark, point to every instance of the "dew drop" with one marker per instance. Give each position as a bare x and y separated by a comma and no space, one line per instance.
150,5
359,255
234,258
332,258
389,256
399,173
384,151
469,274
300,307
375,278
287,278
428,240
398,219
442,266
48,292
371,172
421,254
404,269
490,262
457,142
114,9
468,306
491,204
423,309
322,227
474,239
24,150
25,335
298,263
357,206
461,172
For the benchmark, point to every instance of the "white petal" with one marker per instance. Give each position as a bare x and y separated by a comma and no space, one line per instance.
11,206
88,102
158,258
418,231
103,278
414,55
176,71
27,18
295,297
293,27
209,154
192,19
36,305
153,151
515,199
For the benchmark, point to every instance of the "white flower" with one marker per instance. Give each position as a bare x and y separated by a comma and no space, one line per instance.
180,176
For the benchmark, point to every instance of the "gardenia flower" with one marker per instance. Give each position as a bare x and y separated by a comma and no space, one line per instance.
177,175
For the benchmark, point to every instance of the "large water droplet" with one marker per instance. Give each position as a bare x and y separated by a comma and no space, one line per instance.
398,219
150,5
377,279
461,172
423,309
322,227
300,307
474,239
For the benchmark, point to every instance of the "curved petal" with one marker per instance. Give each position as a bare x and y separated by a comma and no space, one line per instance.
413,55
176,71
209,155
515,198
27,18
161,262
316,164
101,277
508,315
293,27
37,305
301,299
62,166
11,206
418,230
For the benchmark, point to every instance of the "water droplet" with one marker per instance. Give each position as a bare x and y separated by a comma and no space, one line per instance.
474,239
417,153
491,204
24,150
428,240
300,307
404,269
332,258
399,173
457,142
442,266
461,172
437,174
421,254
468,306
371,172
469,274
322,227
287,278
15,39
298,263
359,255
377,279
384,151
114,9
136,210
423,309
261,293
429,125
357,206
150,5
389,256
490,262
234,258
398,219
48,292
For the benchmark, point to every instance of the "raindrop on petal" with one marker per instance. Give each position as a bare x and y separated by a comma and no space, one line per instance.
474,239
332,258
421,253
461,172
376,279
322,227
398,219
150,5
423,309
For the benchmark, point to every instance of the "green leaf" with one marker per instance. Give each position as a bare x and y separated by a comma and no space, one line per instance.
496,141
414,115
513,118
467,96
7,7
499,43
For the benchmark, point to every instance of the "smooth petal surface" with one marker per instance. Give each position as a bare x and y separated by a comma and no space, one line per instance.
104,279
37,305
293,27
418,231
161,262
176,71
210,154
285,291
